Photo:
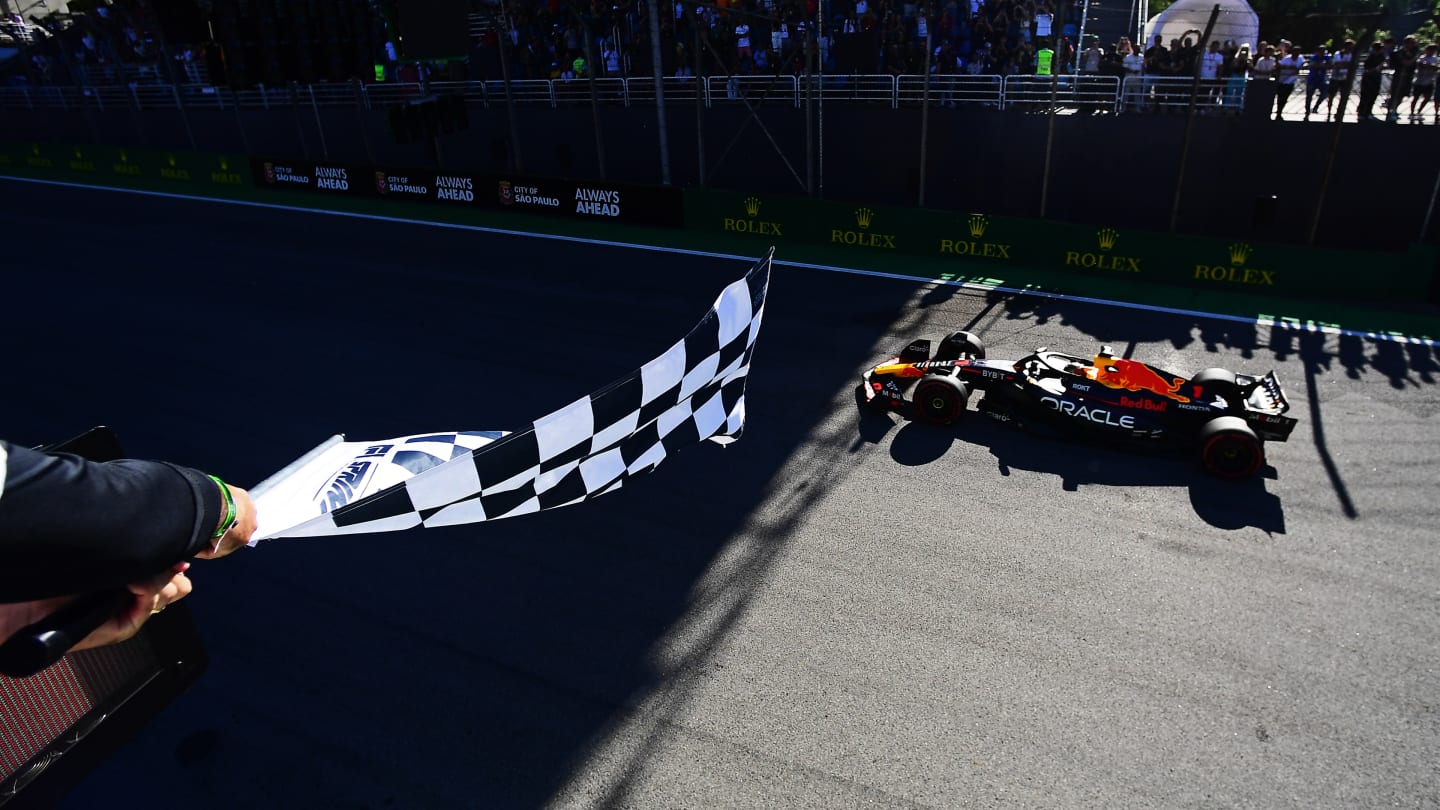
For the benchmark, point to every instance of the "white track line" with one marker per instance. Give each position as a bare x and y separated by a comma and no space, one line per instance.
1292,325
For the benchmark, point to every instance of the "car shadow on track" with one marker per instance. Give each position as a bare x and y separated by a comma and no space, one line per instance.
1226,505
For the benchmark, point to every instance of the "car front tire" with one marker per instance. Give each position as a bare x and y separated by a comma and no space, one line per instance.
940,400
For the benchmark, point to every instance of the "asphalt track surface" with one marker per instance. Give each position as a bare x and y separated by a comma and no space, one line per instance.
833,612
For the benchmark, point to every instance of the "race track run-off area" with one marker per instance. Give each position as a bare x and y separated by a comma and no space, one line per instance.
835,611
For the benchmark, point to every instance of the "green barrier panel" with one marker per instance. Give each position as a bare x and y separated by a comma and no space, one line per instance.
30,158
185,172
776,219
985,247
1237,263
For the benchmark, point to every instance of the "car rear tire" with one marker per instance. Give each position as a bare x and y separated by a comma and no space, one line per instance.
1230,449
1219,381
940,400
959,344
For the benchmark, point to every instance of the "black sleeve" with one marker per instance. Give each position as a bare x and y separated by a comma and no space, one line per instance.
69,526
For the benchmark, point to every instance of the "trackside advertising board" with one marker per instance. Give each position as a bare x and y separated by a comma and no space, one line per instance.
172,170
985,247
568,199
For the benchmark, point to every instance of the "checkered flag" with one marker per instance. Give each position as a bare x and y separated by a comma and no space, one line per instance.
693,392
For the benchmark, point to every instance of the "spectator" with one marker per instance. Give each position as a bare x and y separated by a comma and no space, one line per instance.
1371,72
1236,75
1402,60
1210,65
611,59
1132,86
1189,55
1287,74
1090,58
1427,65
1156,64
1315,80
1342,74
1264,67
742,41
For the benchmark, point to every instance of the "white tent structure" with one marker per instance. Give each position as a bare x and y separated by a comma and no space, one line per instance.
1237,22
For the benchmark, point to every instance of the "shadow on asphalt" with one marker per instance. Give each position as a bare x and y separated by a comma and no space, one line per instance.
458,667
1404,365
1222,504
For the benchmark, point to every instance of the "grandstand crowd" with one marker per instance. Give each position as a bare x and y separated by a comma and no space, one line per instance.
117,43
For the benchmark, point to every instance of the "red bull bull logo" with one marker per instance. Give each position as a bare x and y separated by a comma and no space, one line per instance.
1133,375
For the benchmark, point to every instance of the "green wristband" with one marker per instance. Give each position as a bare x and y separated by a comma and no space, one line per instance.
229,521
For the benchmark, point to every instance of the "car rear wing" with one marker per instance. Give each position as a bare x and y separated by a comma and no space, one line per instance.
1268,395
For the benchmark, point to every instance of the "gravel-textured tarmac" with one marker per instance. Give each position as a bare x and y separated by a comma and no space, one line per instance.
833,612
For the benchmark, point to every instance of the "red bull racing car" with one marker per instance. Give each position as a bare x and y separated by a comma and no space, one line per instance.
1226,416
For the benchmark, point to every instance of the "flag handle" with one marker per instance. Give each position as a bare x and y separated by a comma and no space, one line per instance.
41,644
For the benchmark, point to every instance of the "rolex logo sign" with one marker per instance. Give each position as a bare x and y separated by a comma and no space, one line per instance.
1104,259
170,171
125,167
1236,272
1239,252
223,176
751,222
79,163
863,237
975,246
1106,237
36,159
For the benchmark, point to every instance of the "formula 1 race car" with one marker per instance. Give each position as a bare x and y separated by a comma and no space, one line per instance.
1227,416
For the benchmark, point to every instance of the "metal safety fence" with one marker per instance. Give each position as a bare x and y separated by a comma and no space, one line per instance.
1067,93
